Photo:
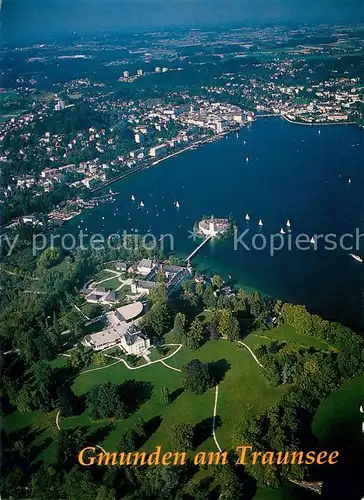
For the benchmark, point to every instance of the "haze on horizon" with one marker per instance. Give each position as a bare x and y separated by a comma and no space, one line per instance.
37,19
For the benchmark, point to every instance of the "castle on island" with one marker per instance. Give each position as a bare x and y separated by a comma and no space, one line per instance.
212,226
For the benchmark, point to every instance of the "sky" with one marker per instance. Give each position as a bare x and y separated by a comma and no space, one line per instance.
44,18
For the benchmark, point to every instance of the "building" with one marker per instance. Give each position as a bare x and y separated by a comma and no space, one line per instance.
164,70
60,105
140,72
120,266
126,74
99,295
121,331
212,226
158,150
139,138
218,127
144,266
158,69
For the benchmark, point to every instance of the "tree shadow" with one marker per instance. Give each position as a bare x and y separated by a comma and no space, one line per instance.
218,369
202,431
99,435
152,425
135,393
175,394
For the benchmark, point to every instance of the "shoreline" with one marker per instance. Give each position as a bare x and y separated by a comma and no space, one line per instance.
199,143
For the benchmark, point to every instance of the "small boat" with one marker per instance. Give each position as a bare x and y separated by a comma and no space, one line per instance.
141,204
103,218
247,217
133,197
244,143
312,241
157,215
356,257
247,159
319,132
288,224
237,135
260,223
177,204
282,231
129,218
349,181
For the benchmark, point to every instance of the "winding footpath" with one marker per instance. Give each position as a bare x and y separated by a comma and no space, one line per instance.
252,353
162,361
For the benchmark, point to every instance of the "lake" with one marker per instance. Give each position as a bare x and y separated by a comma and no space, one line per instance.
294,172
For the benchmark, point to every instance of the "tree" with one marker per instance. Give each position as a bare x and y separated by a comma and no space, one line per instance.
99,359
158,482
179,333
217,281
48,258
159,293
80,357
165,397
195,334
45,484
158,319
25,400
214,334
230,486
104,401
209,298
182,436
196,376
67,401
228,325
199,289
78,485
104,493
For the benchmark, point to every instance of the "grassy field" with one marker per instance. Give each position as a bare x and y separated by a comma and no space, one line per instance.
243,392
288,333
338,419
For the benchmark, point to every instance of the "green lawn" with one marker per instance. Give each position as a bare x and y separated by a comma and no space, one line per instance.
111,284
242,392
288,333
338,419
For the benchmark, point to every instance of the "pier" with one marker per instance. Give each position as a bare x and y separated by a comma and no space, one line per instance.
197,249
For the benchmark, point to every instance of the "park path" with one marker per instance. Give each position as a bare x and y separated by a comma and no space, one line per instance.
214,419
251,352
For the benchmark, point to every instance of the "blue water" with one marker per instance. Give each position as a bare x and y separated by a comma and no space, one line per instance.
293,173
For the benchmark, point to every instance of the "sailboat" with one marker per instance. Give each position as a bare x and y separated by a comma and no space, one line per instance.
133,197
177,204
282,231
288,224
247,217
141,204
260,223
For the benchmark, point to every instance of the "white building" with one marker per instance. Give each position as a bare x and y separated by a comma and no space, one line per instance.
140,72
145,266
126,74
158,69
212,227
121,331
158,150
